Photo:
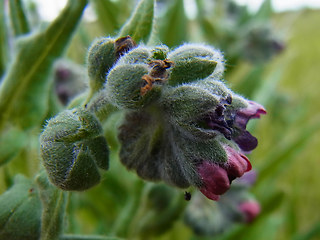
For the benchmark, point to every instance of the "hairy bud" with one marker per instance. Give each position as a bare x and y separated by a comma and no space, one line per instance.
73,149
194,62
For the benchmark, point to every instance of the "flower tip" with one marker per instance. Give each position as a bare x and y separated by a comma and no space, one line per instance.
215,180
249,166
257,109
250,209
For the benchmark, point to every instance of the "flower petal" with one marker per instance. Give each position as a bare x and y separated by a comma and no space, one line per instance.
246,141
250,209
215,180
238,163
254,110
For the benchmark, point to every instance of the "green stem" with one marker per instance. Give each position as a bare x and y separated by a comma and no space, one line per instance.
121,226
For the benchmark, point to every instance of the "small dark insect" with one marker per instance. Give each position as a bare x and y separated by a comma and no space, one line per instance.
187,196
123,45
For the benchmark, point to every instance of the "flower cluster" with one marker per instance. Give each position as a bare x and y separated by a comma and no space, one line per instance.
182,124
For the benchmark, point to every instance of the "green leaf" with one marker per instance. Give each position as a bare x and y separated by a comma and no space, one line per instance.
140,24
54,204
25,87
173,28
265,11
18,18
285,153
108,13
20,211
3,40
12,140
313,233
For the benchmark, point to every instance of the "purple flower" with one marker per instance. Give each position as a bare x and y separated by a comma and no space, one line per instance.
217,178
250,209
233,124
242,137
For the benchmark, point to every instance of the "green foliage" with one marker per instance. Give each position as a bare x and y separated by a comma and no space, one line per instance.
34,59
20,211
139,26
123,206
18,18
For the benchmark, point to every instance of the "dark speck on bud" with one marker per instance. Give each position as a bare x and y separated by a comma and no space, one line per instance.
187,196
123,45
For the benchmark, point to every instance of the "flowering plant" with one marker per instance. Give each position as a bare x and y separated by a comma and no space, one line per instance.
166,113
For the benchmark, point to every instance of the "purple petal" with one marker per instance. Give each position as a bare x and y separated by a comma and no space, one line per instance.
246,141
250,209
237,164
215,180
254,110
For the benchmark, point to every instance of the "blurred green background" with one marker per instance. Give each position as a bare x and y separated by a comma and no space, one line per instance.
272,58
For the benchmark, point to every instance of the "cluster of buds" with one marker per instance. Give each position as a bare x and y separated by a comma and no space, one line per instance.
182,124
234,207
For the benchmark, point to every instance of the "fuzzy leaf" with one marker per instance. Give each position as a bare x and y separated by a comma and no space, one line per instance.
18,18
20,212
108,13
27,79
173,29
54,205
140,24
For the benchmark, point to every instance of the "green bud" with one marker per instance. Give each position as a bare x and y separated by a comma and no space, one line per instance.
125,83
216,87
193,62
101,57
136,55
20,211
73,148
188,102
160,52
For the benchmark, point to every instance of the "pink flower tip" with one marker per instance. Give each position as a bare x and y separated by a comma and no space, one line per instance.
250,209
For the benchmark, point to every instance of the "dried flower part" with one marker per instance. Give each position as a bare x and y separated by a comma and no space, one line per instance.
73,149
158,74
135,75
102,55
123,45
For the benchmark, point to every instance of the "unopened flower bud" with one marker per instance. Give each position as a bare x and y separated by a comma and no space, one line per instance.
136,55
250,209
194,62
73,149
101,57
